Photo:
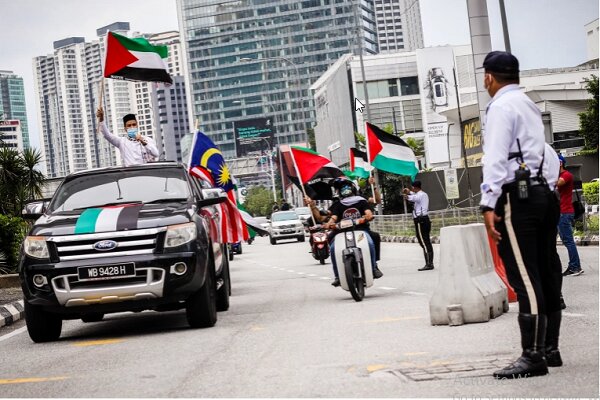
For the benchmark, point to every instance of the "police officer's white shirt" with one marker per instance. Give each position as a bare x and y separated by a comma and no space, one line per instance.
421,200
510,115
551,169
132,151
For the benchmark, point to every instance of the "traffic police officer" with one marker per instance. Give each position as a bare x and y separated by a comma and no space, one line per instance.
515,206
420,201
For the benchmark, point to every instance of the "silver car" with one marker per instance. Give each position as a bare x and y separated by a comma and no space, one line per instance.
286,225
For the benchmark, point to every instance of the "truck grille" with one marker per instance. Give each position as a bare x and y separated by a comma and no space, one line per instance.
81,247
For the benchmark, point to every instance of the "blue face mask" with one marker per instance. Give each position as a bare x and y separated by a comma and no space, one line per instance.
132,132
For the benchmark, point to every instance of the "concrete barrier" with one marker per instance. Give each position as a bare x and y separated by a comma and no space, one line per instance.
469,290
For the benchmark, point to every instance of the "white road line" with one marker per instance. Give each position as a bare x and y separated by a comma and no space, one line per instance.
13,333
290,270
568,314
385,288
324,277
311,275
301,273
416,293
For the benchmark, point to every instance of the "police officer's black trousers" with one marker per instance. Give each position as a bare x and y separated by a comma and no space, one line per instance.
423,230
526,229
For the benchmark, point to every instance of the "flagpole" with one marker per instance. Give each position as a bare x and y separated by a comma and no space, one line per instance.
301,183
101,99
375,174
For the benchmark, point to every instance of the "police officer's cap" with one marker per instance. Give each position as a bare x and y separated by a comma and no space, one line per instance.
502,62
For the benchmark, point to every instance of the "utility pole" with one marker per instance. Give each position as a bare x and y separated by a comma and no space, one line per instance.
504,26
462,139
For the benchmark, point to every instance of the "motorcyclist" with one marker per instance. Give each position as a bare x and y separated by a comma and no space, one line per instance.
350,206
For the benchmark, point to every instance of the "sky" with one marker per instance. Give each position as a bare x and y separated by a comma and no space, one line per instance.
543,33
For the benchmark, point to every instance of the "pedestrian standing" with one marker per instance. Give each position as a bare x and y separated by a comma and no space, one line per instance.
420,213
565,224
515,206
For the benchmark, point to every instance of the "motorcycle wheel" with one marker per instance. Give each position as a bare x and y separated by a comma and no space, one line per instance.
355,282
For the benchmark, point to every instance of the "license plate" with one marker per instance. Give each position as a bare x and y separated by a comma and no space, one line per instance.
288,231
103,272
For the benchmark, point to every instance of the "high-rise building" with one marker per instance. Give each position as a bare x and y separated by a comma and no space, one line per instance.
11,135
12,102
398,25
69,84
258,58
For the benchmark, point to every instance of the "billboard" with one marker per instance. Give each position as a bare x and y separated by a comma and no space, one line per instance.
253,136
436,78
471,132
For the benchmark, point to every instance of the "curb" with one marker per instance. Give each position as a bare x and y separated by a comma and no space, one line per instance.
12,312
579,241
9,280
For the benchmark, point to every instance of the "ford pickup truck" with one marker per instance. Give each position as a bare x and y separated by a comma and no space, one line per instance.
122,239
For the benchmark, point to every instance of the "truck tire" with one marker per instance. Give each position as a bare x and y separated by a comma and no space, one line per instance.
225,290
201,307
95,317
42,326
301,238
273,241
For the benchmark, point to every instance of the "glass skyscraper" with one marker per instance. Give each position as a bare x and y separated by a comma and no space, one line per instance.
12,101
247,59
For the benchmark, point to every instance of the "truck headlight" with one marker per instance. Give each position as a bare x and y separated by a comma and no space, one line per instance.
36,247
180,234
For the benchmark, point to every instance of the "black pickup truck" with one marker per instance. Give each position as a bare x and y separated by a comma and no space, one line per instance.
124,239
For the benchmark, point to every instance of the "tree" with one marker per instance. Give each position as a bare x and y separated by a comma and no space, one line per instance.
588,120
19,180
259,201
312,141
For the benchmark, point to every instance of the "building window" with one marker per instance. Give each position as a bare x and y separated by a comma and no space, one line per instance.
409,85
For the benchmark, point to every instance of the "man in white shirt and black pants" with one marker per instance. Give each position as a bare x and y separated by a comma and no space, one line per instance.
515,202
420,201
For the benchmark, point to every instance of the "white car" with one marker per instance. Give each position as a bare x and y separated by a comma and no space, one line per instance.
303,213
286,225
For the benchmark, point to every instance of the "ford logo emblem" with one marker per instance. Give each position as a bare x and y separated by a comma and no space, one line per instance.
105,245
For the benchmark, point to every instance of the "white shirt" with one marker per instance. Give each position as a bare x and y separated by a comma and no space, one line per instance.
421,200
132,151
551,169
510,115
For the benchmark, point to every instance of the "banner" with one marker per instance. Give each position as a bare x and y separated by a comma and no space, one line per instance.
451,182
253,136
471,131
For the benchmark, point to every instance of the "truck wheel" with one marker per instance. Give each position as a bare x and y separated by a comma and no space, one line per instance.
273,241
201,307
301,238
42,326
95,317
225,290
230,253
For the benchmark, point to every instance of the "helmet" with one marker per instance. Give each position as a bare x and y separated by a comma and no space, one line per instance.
345,187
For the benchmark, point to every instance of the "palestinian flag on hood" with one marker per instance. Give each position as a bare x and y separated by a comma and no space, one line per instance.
311,165
359,165
135,59
390,153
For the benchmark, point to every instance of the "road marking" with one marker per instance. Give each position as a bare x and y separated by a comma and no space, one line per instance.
568,314
376,367
257,328
98,342
31,380
416,293
389,319
301,273
290,270
416,353
385,288
324,277
311,275
13,333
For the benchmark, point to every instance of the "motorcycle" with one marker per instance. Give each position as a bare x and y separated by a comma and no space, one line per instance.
353,258
319,243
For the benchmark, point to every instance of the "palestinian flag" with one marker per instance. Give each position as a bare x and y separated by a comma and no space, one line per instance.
311,165
358,164
390,153
108,219
135,60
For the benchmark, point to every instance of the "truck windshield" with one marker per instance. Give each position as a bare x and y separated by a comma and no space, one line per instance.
121,187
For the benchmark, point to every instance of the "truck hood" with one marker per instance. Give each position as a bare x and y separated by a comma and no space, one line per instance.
112,218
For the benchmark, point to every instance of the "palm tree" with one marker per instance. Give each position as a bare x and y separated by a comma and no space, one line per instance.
34,180
11,171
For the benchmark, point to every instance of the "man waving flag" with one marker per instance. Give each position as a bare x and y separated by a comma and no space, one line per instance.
206,162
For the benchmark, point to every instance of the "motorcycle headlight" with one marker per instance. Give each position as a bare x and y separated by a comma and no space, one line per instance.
36,247
180,234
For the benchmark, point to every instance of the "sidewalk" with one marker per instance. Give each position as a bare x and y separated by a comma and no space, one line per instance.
11,300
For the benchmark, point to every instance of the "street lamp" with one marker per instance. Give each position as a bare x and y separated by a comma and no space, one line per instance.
299,90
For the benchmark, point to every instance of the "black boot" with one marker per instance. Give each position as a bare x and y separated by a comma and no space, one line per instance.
428,262
532,361
553,358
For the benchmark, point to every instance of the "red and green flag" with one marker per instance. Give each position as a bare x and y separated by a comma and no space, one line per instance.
310,165
359,166
135,59
389,153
